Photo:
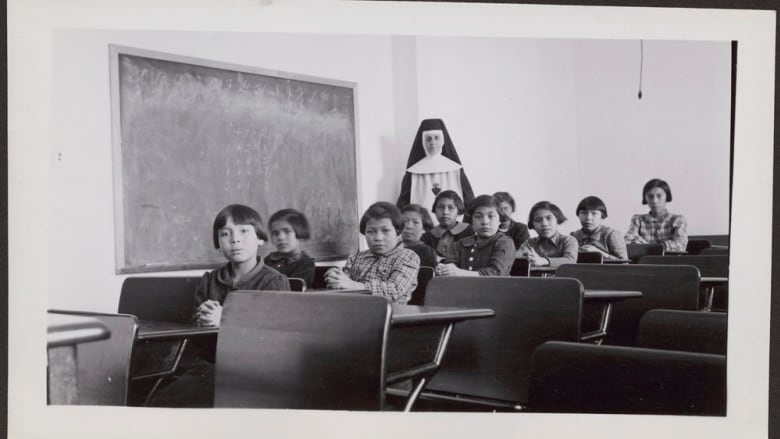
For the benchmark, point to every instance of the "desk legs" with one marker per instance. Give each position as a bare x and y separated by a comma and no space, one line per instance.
709,297
441,348
598,335
161,375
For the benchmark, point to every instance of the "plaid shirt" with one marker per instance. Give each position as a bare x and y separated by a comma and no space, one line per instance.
392,275
670,230
605,239
559,249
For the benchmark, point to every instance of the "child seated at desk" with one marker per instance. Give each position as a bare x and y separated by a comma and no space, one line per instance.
594,236
288,228
238,233
518,232
417,221
550,248
488,252
386,268
443,238
658,226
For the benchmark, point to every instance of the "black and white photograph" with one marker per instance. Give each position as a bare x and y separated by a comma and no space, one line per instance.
323,218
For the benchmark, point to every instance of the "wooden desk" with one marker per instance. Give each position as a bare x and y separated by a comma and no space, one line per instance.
606,298
434,318
403,316
150,331
616,261
544,271
710,283
63,333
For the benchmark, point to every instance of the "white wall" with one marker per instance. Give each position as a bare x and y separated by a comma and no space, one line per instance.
509,107
678,131
542,119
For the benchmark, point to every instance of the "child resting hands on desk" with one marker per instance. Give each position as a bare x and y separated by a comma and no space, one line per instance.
386,268
238,233
488,252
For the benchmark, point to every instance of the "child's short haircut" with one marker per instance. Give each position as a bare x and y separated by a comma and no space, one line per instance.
450,195
592,203
296,219
427,223
549,206
654,183
382,210
505,197
241,215
486,201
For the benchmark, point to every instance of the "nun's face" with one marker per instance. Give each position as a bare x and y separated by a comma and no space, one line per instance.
433,142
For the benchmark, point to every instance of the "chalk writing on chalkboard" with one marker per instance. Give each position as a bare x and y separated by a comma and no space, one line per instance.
192,136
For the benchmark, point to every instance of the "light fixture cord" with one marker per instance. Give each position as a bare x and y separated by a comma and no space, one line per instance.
641,66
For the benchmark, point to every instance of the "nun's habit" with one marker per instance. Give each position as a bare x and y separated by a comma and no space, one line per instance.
430,172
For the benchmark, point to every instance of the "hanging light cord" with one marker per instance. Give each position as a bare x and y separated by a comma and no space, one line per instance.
641,63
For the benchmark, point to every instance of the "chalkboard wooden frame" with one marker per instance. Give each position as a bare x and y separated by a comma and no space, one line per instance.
347,242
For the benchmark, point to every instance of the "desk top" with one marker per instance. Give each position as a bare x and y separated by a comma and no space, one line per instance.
713,281
410,315
611,295
403,315
616,261
66,330
542,269
152,330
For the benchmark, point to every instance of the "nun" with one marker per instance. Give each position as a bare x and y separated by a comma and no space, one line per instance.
433,166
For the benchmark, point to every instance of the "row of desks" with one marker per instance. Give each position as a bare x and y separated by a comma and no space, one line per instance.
402,316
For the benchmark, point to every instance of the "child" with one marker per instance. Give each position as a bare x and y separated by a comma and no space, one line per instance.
490,252
517,231
288,228
594,236
443,238
386,268
237,233
550,248
659,225
417,220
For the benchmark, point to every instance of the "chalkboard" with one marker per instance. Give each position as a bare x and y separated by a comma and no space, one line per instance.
192,136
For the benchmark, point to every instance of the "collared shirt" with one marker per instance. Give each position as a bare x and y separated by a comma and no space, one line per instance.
558,249
392,275
297,264
489,256
669,229
444,240
605,239
517,231
216,284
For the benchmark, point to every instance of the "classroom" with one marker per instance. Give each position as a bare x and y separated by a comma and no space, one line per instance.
543,119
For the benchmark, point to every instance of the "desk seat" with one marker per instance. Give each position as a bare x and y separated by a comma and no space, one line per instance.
585,378
662,287
488,360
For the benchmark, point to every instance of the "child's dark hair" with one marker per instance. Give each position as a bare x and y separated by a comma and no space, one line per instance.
487,201
656,183
592,203
382,210
556,211
241,215
451,195
427,223
296,219
505,197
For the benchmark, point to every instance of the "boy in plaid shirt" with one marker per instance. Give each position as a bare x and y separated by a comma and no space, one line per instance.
386,268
